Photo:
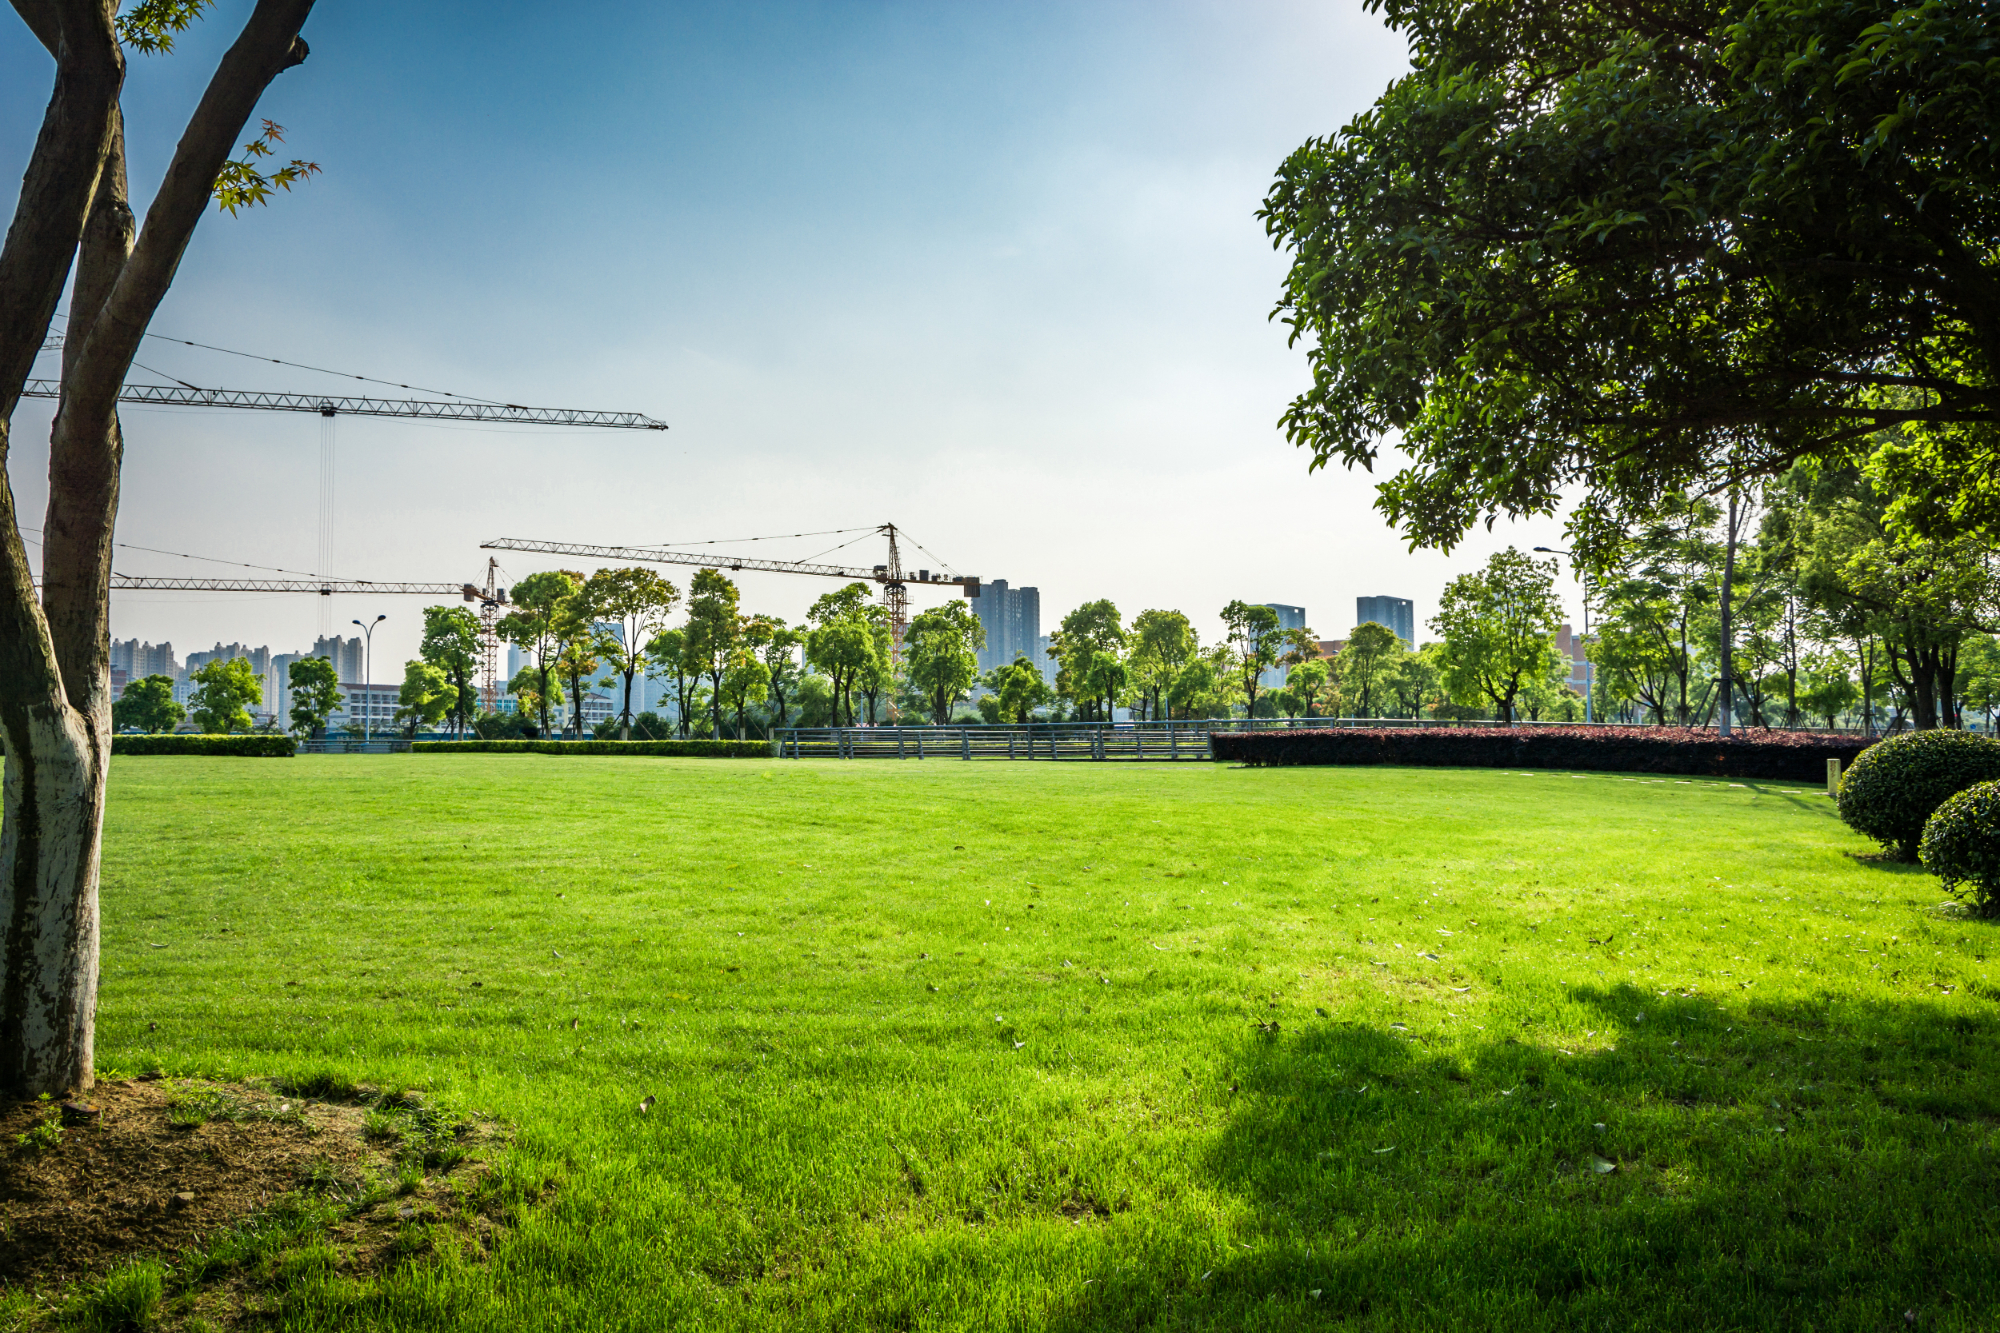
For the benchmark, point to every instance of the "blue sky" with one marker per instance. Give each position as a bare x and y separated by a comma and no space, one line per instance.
988,271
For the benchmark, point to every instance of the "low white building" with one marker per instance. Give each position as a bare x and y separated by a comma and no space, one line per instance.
371,707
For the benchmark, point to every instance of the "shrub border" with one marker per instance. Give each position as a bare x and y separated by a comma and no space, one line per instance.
1781,756
656,749
264,745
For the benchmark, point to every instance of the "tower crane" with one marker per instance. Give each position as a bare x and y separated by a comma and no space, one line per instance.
893,577
491,598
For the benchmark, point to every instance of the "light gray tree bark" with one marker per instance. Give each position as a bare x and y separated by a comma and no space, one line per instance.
55,700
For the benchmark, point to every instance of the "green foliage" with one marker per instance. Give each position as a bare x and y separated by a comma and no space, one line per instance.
1499,629
149,705
1310,684
427,696
222,690
1254,641
843,644
699,749
1638,250
451,644
1896,785
541,604
941,653
240,184
531,706
1365,664
1018,689
262,745
127,1298
638,600
714,627
44,1135
782,663
1961,845
315,694
1088,648
149,26
1159,647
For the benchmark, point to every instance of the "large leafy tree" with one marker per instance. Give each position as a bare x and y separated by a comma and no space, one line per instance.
149,705
315,691
942,647
451,644
637,600
842,644
1086,644
1365,664
536,624
1161,644
74,228
781,660
223,691
713,627
1255,643
1499,626
1625,250
427,696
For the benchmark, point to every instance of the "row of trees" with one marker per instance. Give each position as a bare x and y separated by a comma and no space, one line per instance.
1813,599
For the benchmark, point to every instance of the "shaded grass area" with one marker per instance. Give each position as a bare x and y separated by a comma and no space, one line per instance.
1086,1046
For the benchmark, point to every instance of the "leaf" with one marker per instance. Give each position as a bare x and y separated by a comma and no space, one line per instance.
1601,1166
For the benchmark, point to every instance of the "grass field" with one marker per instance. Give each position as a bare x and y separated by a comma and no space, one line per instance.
1096,1046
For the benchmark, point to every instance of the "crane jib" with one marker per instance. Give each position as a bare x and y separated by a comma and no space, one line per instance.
327,406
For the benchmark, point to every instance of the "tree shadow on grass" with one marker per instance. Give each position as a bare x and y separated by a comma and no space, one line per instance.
1695,1164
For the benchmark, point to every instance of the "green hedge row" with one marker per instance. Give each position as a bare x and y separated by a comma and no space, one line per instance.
700,749
266,745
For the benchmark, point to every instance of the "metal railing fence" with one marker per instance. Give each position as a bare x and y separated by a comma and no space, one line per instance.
1163,741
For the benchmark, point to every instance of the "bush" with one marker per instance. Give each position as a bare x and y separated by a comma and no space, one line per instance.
1792,756
1894,787
700,749
1961,845
263,745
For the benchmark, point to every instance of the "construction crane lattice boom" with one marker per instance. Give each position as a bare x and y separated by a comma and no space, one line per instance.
326,406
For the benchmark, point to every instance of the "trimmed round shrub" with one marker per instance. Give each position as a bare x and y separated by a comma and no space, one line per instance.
1961,846
1895,785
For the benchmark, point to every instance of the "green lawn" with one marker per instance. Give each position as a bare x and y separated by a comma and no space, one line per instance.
945,1045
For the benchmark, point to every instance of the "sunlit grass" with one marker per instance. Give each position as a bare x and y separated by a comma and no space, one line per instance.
946,1045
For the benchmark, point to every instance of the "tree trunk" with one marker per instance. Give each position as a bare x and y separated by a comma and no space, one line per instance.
1725,647
54,647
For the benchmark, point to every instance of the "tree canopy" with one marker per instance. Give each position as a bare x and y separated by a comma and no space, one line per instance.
148,704
1629,250
222,689
1499,627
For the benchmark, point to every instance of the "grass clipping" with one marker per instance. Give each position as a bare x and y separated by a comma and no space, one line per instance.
189,1203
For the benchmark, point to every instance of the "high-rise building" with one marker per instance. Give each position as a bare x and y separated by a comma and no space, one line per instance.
1397,613
1013,621
1289,617
278,691
139,660
345,654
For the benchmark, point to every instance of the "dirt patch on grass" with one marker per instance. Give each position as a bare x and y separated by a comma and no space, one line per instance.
158,1166
210,1192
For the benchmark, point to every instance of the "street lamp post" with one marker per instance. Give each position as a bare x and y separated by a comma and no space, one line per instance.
1588,688
368,671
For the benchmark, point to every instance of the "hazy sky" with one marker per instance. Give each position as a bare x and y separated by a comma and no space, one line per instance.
990,272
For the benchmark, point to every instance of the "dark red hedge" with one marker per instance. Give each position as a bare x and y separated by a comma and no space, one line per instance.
1796,756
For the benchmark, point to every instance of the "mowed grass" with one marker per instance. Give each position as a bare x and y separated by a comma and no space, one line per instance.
1095,1046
